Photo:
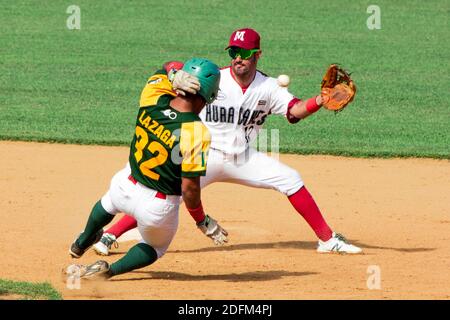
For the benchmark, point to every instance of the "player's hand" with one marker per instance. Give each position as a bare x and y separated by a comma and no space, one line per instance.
213,230
321,100
183,82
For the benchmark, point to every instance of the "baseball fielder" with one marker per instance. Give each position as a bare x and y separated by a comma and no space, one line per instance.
168,155
245,99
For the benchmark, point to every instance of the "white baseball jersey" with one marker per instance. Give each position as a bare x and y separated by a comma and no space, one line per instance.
236,116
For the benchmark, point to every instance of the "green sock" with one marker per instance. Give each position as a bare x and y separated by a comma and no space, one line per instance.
139,256
98,218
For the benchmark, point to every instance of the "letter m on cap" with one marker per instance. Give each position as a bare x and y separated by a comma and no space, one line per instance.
239,35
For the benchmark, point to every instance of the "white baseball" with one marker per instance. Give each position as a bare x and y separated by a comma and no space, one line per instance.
283,80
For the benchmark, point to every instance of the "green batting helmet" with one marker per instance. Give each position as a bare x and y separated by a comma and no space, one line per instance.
207,73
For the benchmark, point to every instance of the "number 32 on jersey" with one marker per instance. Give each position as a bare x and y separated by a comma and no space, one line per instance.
155,148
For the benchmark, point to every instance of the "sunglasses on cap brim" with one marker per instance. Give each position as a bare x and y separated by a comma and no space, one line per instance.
234,52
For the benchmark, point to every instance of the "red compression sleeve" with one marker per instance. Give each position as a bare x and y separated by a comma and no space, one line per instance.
311,105
197,213
122,226
304,203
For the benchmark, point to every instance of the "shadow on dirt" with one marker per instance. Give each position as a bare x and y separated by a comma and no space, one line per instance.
304,245
307,245
232,277
406,250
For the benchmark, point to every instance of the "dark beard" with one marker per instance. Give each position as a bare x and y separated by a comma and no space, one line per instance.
241,72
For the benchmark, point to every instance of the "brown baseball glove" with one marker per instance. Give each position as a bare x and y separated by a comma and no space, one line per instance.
337,89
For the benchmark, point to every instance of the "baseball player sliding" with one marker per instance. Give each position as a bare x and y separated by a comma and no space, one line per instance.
168,155
245,99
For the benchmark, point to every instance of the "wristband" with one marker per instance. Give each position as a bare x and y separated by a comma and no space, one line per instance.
197,213
311,105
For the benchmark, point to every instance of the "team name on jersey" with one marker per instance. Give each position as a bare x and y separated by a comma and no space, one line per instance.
163,134
215,113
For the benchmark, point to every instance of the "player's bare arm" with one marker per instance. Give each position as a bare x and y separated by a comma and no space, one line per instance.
305,108
190,190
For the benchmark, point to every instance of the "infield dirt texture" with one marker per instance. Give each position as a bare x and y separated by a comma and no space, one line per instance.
396,210
82,87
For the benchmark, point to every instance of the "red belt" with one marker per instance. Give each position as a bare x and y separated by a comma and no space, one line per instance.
159,195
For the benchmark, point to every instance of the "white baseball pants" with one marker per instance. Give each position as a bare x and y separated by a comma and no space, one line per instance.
157,218
251,168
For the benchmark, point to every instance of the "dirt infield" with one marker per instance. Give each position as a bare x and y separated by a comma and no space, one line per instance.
398,210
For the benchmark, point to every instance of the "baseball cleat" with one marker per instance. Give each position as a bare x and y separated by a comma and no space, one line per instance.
104,245
76,251
97,270
337,244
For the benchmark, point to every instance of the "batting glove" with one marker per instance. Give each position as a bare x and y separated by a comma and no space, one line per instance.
213,230
183,82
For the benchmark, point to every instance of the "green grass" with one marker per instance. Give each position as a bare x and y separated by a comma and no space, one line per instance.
29,291
83,86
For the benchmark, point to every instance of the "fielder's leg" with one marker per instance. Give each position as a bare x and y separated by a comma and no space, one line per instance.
111,235
125,224
257,169
305,205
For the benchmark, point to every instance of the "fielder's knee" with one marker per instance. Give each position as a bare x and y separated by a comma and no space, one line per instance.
292,182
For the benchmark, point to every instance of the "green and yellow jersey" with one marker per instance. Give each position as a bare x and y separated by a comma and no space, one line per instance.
167,144
157,86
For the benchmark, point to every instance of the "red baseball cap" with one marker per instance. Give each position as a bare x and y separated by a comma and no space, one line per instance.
169,65
244,38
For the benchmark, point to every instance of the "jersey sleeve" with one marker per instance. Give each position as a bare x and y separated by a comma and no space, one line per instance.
194,147
279,98
157,86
